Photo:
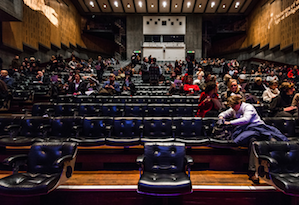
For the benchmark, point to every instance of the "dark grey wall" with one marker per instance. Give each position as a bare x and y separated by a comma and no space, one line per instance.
11,10
134,34
193,38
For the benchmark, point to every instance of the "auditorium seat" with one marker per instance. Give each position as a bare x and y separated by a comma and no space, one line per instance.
65,109
41,109
278,164
140,99
125,132
93,132
84,99
63,128
215,140
182,110
189,130
64,99
163,170
178,99
89,110
159,110
48,166
157,129
286,125
159,100
104,99
135,110
113,109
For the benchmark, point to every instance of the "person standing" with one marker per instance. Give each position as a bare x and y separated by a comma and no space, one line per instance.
100,66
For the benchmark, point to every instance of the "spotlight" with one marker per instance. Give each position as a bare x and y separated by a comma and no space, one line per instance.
237,5
213,4
91,4
128,5
223,6
105,6
116,4
199,5
140,4
176,6
188,4
152,5
164,4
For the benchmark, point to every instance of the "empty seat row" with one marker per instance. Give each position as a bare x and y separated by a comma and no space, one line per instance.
121,131
114,109
127,99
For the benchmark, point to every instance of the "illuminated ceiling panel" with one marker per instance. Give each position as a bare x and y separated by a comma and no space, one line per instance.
116,6
188,6
200,6
152,6
105,6
164,6
224,6
212,6
176,6
129,6
92,5
140,6
237,4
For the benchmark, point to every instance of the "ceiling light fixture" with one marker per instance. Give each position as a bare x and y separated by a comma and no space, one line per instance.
176,6
237,5
152,5
91,4
128,5
188,4
140,4
164,4
116,4
105,6
213,4
199,5
223,6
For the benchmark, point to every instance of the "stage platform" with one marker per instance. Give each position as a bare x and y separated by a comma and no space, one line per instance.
119,187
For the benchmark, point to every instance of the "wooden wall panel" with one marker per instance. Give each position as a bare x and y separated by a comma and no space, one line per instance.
37,29
263,28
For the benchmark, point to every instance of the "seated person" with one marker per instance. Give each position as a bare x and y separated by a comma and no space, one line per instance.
110,87
243,83
271,92
209,103
128,86
258,84
176,88
249,128
189,88
7,79
232,89
222,87
77,86
41,78
281,105
199,81
92,85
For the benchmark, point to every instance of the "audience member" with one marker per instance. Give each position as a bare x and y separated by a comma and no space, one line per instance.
110,87
7,79
271,92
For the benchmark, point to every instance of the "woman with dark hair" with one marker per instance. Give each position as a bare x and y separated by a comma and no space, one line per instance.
281,106
209,104
249,128
77,87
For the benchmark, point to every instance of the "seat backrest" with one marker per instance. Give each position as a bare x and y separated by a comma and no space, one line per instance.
63,126
42,156
164,158
285,153
137,109
286,125
112,109
30,127
96,126
89,109
188,126
157,127
126,127
184,110
159,110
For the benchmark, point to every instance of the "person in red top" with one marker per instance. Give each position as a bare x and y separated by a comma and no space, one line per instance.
293,73
189,88
209,103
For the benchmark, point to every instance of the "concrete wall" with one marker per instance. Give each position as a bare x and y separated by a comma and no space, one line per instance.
134,34
193,38
11,11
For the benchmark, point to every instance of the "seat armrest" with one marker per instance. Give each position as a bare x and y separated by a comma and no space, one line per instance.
267,158
12,127
141,127
45,127
78,128
189,160
140,159
59,162
16,161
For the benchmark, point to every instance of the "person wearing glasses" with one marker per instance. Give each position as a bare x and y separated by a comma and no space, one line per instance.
247,128
232,89
111,86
